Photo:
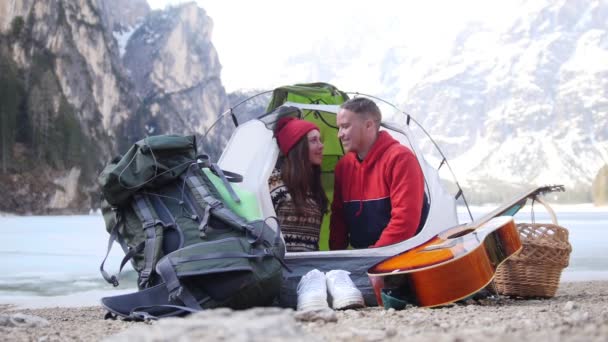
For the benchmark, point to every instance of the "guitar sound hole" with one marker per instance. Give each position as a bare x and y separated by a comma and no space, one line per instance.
461,233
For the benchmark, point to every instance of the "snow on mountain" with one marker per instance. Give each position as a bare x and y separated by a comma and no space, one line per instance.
517,103
122,18
528,104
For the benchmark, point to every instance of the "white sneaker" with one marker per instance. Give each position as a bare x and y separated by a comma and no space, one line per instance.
344,293
312,291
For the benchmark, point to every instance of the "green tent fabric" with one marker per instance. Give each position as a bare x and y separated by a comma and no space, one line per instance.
247,208
318,93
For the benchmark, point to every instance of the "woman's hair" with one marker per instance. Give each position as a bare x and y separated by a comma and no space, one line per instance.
302,178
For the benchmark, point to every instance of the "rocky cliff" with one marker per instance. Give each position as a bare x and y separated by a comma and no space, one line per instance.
176,72
70,101
58,130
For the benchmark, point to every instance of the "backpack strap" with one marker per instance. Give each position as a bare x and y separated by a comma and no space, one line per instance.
204,199
129,252
225,176
174,286
113,234
234,177
153,232
166,268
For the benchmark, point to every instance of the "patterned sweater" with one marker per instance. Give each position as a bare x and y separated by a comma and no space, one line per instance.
300,230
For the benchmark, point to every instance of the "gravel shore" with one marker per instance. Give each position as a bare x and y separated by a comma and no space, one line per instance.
579,312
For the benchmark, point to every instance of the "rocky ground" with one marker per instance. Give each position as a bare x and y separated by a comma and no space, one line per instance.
579,312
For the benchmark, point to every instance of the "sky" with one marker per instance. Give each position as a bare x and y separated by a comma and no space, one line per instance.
261,43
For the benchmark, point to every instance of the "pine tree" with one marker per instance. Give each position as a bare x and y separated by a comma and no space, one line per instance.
10,97
600,187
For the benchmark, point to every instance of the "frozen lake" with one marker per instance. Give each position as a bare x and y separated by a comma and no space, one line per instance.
54,260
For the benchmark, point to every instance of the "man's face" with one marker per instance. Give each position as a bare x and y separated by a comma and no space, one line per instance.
351,130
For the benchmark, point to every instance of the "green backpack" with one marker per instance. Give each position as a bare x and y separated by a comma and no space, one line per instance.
191,249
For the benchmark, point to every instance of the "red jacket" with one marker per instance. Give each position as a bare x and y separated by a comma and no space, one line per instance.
377,201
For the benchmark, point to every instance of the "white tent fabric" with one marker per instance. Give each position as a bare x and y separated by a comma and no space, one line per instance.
252,152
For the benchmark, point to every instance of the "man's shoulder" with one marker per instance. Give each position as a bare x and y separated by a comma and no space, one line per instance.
398,151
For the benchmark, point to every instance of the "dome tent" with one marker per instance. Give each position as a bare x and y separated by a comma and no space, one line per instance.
252,151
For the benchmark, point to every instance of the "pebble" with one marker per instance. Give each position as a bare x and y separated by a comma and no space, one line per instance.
578,317
570,305
323,315
391,332
353,314
257,324
22,321
584,319
369,334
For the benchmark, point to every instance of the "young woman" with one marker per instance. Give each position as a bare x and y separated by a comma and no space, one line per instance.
295,185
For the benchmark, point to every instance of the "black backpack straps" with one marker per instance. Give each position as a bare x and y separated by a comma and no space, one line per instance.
204,200
255,253
153,232
129,253
234,177
174,287
113,234
164,214
225,176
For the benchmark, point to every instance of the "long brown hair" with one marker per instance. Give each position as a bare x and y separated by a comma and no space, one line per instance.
303,178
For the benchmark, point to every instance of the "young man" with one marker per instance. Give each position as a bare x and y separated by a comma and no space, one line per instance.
379,186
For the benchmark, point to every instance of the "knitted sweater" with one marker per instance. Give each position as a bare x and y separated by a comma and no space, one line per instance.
300,230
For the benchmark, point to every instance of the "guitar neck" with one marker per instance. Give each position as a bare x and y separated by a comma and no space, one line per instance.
518,200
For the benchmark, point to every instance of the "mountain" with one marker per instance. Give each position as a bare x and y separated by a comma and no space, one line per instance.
526,106
68,97
176,72
71,99
512,106
248,104
121,17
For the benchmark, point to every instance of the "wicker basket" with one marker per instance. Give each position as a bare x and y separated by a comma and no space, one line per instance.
535,271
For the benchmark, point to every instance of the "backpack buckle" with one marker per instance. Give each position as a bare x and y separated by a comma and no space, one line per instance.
114,281
142,316
212,201
175,294
144,278
149,224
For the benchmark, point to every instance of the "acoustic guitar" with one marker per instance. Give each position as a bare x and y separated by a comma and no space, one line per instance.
451,266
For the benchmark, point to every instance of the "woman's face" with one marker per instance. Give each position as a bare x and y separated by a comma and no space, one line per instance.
315,147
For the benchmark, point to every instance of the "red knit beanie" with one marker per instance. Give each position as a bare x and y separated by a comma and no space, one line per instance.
289,130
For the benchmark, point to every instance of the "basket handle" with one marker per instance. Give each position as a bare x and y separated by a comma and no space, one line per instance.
547,206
